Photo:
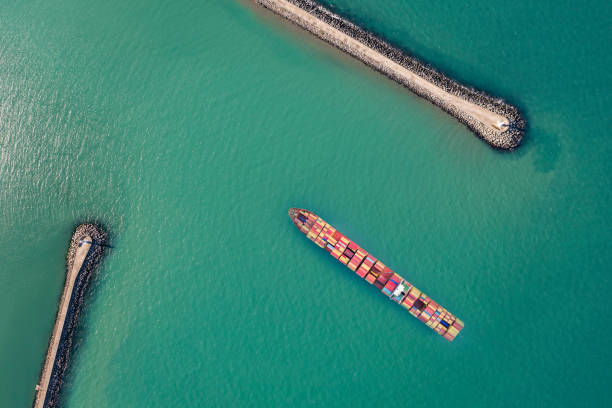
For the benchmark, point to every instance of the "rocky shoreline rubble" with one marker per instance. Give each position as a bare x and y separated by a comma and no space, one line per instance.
505,136
57,362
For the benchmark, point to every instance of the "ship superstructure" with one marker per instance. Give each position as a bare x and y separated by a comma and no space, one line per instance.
371,269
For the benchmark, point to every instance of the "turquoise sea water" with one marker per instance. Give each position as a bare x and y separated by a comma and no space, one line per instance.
189,128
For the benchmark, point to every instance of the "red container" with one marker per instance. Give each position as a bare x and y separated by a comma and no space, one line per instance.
385,275
361,272
356,260
349,253
390,286
396,278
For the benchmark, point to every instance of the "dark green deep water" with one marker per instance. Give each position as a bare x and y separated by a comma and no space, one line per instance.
190,127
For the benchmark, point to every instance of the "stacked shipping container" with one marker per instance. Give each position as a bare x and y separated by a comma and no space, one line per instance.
376,273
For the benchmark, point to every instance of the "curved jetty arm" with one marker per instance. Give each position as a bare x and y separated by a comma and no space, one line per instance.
498,123
86,248
79,257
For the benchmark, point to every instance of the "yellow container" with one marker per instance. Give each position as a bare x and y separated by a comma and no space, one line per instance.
415,312
415,293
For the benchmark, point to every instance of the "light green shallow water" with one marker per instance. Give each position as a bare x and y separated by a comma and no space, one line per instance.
190,128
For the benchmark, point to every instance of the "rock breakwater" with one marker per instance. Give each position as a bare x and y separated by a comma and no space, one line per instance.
84,255
492,119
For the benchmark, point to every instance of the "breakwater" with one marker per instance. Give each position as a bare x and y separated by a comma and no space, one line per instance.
84,254
492,119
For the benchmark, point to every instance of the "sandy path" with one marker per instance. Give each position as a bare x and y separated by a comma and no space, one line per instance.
79,257
492,120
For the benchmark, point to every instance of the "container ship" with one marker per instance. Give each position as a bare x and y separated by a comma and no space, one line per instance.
376,273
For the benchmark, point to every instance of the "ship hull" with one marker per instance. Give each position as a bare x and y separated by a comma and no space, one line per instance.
368,267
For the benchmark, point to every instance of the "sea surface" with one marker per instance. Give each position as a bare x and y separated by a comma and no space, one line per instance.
188,128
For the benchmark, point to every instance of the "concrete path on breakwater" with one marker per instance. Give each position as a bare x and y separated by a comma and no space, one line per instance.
79,258
494,121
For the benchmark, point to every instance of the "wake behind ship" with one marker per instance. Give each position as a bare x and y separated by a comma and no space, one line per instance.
376,273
